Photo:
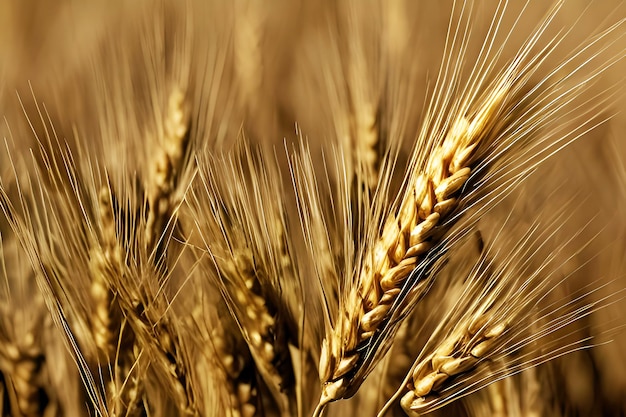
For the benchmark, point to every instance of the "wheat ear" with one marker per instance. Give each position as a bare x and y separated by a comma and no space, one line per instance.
167,167
244,234
112,337
21,365
267,342
491,331
248,56
478,133
105,322
406,238
364,97
233,357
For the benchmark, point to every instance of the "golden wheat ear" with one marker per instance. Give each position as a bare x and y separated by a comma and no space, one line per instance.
495,134
227,360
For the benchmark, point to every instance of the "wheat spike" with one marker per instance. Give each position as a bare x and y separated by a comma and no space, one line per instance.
404,241
495,325
167,167
111,335
248,266
22,359
238,366
364,98
22,365
435,186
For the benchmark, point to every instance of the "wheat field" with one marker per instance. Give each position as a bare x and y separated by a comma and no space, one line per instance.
312,208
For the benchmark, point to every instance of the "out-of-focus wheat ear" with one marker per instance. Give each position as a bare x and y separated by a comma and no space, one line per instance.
233,357
166,169
154,345
161,339
111,334
249,22
22,358
21,362
321,214
362,68
125,388
224,367
536,392
499,399
264,335
244,231
528,393
105,259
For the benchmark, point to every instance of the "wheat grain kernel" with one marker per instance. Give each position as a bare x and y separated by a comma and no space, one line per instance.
345,365
452,184
438,361
397,274
482,348
423,229
495,331
425,384
419,249
459,365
